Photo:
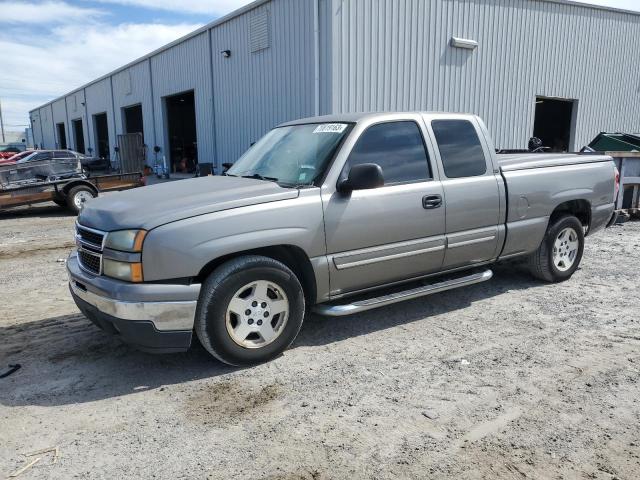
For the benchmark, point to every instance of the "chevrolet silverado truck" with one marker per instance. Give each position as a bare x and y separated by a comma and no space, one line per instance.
337,214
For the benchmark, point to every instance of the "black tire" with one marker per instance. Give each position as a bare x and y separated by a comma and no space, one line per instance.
72,204
541,264
216,294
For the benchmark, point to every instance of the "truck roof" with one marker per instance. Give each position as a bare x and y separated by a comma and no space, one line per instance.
356,117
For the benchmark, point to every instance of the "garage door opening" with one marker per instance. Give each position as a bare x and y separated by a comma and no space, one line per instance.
78,135
554,123
181,132
133,119
62,136
101,129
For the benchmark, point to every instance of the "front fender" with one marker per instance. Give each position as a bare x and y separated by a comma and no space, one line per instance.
181,249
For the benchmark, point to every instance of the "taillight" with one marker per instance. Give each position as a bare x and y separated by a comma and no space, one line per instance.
616,189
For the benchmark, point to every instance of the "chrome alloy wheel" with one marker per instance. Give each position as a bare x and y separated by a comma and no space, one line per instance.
257,314
565,249
81,197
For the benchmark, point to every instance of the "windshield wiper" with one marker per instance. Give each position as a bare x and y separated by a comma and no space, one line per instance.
257,176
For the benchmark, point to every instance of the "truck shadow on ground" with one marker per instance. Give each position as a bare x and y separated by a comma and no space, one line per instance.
67,360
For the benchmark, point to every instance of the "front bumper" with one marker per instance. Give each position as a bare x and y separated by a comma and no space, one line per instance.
153,317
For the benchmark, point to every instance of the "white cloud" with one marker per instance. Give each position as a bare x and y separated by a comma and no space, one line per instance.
624,4
69,56
45,13
211,7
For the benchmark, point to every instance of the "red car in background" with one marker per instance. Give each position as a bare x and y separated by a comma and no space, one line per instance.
8,151
14,157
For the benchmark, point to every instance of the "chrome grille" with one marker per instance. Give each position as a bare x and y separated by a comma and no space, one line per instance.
90,243
90,237
89,261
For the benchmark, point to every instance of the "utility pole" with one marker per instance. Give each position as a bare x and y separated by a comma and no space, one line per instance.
2,124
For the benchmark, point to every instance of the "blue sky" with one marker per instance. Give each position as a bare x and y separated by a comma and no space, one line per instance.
48,47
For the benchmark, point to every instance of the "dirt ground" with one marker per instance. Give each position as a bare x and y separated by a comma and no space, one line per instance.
507,379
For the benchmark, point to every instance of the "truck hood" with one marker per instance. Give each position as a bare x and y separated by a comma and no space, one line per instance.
155,205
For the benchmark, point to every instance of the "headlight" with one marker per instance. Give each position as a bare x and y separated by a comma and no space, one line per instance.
129,272
126,240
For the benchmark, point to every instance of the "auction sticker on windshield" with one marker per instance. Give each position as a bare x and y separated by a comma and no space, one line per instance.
330,128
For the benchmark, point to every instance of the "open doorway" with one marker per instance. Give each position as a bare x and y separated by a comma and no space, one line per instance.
133,119
78,134
181,132
101,130
554,123
62,136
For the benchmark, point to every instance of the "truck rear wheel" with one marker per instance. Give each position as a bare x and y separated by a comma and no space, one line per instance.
560,252
250,310
77,196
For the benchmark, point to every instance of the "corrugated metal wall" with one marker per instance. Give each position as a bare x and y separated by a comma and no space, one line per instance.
256,91
382,55
395,55
59,116
325,20
98,98
133,87
76,111
179,69
34,117
46,122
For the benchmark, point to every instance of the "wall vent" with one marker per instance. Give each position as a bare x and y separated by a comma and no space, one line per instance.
259,34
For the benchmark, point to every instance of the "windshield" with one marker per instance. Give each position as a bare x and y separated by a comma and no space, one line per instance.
294,155
21,156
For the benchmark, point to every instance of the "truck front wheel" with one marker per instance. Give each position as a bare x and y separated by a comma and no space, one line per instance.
560,252
250,310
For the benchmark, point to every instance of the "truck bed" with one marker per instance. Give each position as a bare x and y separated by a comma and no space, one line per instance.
521,161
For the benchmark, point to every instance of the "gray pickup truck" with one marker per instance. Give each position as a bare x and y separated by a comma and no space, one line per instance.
336,214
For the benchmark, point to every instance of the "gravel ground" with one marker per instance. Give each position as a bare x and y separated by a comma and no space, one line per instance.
507,379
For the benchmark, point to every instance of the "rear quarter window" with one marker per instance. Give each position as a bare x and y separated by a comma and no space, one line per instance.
460,148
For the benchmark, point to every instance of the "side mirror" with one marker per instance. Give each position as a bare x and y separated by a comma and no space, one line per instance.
362,177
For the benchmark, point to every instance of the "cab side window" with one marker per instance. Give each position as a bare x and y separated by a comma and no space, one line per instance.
460,148
397,147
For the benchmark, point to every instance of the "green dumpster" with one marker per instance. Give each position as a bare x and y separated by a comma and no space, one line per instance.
615,142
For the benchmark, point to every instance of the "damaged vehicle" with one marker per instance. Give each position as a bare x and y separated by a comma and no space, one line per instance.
55,176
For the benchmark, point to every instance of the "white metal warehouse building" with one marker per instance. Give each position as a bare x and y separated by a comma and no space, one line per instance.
562,70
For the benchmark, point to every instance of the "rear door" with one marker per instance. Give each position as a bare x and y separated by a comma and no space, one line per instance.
393,232
471,191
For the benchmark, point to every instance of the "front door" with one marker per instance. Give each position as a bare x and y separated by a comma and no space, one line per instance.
390,233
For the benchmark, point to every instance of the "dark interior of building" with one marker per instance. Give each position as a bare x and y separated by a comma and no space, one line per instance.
181,130
78,135
62,136
133,122
553,123
102,135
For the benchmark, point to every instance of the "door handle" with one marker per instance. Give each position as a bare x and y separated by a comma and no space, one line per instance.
431,201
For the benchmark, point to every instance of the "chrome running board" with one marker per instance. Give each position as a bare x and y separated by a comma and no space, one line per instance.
333,310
